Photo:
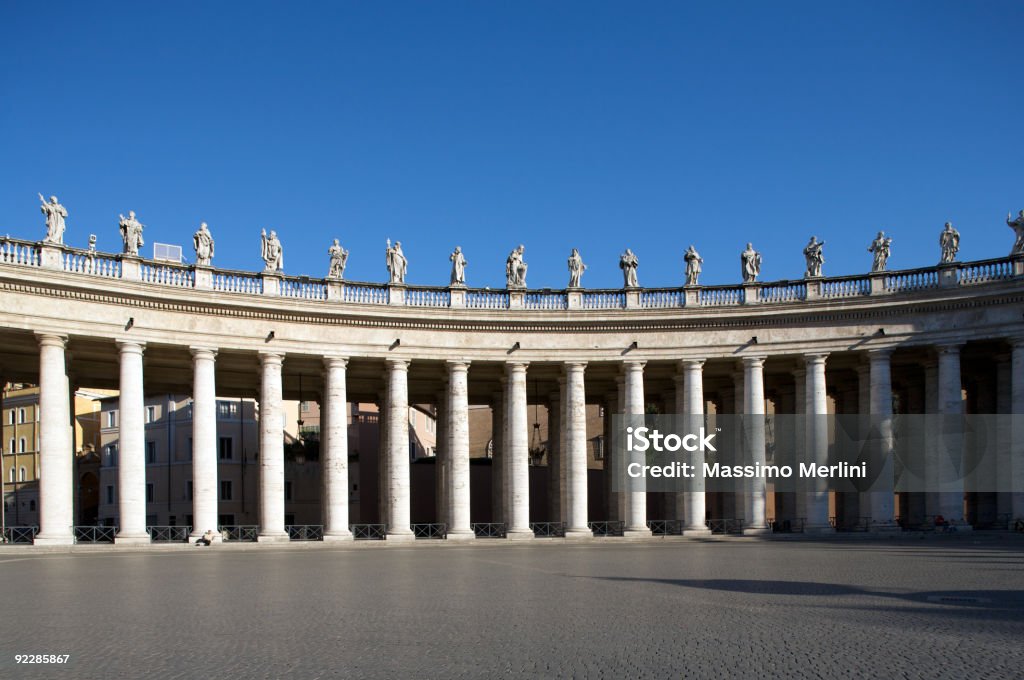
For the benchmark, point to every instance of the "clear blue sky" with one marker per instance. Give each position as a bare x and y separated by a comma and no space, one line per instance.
483,124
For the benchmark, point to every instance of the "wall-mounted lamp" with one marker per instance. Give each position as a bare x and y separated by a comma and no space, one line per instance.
880,331
396,343
131,322
514,347
633,345
270,336
753,340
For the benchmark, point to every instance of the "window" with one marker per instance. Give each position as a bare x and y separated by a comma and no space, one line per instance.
225,490
149,493
11,475
110,495
21,415
189,449
188,490
226,409
111,418
303,407
150,452
10,449
32,505
151,414
21,445
224,448
21,474
10,417
287,491
110,455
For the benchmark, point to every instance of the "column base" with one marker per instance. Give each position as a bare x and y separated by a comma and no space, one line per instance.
54,540
400,537
132,539
756,531
579,534
273,537
461,535
338,537
697,532
520,535
637,533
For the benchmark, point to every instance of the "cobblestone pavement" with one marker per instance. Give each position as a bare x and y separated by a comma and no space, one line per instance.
741,608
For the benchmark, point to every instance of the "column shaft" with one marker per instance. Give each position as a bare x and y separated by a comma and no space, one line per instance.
334,450
497,457
517,466
636,488
816,437
1016,467
271,451
690,402
555,508
398,523
458,451
131,465
204,442
951,407
754,440
56,457
575,459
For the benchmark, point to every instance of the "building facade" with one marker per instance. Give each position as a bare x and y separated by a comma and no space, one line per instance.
945,340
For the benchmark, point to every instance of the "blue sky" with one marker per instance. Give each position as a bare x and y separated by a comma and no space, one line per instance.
594,125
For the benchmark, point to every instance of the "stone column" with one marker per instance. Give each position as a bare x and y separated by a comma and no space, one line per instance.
399,527
611,497
497,457
271,451
816,437
881,497
517,455
690,402
555,463
951,407
575,460
131,465
56,457
800,408
334,450
753,412
636,496
204,443
1017,430
459,527
382,456
931,438
442,458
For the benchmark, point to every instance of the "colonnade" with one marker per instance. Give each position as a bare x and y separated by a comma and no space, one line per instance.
510,466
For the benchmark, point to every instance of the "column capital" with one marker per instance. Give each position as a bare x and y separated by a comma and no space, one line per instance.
202,352
815,358
268,358
335,362
949,348
1016,341
691,364
571,366
754,361
457,364
52,340
130,346
879,354
516,366
633,365
397,364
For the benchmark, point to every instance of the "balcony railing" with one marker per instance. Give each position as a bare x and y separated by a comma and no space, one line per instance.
92,263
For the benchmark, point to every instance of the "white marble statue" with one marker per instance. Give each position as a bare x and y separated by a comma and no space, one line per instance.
814,258
339,257
1018,229
131,233
396,262
949,240
271,251
515,269
751,261
693,265
628,263
92,244
55,216
576,268
880,247
202,240
459,263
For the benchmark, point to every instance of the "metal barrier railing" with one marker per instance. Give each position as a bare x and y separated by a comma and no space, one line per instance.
607,528
437,530
94,534
725,526
305,532
548,529
368,532
168,534
489,529
787,526
666,527
235,533
25,535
